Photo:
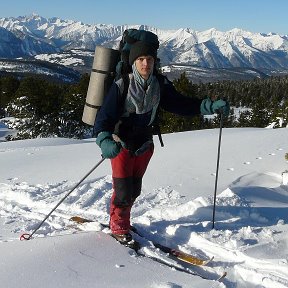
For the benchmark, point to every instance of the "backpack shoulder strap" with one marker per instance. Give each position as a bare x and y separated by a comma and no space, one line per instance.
126,81
156,125
161,79
123,84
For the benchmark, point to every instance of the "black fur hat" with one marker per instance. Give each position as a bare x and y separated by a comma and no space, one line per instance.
141,48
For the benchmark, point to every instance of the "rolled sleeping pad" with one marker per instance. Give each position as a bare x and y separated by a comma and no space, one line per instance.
101,78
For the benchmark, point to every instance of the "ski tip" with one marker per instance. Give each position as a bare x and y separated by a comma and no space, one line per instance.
79,220
190,259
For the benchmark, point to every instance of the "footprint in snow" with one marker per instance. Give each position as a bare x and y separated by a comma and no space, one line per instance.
229,169
12,179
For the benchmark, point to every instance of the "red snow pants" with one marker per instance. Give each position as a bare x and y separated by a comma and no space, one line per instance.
127,173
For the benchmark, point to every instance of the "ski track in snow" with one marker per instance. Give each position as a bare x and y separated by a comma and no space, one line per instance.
162,216
248,241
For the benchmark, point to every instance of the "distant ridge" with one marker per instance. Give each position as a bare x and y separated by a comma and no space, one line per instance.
31,35
29,43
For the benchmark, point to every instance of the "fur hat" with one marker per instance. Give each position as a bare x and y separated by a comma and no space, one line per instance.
141,48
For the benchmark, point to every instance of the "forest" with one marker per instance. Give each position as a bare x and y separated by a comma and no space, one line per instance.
36,107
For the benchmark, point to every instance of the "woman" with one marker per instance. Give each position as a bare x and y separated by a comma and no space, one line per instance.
124,129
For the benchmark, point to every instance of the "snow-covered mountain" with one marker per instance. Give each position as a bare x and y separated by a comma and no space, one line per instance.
33,35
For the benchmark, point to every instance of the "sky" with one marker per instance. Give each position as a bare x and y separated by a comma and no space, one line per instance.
261,16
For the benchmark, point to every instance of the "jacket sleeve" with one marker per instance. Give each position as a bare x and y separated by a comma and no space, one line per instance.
174,102
110,112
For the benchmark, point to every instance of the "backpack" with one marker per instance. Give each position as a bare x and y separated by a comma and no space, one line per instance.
123,67
110,65
129,37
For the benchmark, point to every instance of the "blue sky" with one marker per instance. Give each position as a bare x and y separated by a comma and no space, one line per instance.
253,15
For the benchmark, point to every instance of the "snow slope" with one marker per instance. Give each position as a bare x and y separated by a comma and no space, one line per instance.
250,239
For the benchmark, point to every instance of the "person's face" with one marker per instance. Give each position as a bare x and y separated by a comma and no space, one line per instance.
145,65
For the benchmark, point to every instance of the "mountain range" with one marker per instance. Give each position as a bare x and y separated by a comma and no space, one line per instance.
49,39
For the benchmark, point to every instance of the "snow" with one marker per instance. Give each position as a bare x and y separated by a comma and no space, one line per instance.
175,208
233,48
60,59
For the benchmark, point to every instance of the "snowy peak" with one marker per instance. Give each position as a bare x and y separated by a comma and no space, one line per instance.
211,48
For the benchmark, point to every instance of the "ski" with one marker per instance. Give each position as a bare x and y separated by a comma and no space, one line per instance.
182,256
167,253
81,220
185,257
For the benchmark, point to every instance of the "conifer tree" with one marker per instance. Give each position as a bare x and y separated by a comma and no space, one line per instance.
174,123
8,87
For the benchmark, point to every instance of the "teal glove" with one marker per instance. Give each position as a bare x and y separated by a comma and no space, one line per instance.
209,107
110,149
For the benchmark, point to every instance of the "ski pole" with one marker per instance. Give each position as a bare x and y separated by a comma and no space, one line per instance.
217,166
27,236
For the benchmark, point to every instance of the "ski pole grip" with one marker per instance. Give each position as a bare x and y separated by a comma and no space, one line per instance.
220,110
